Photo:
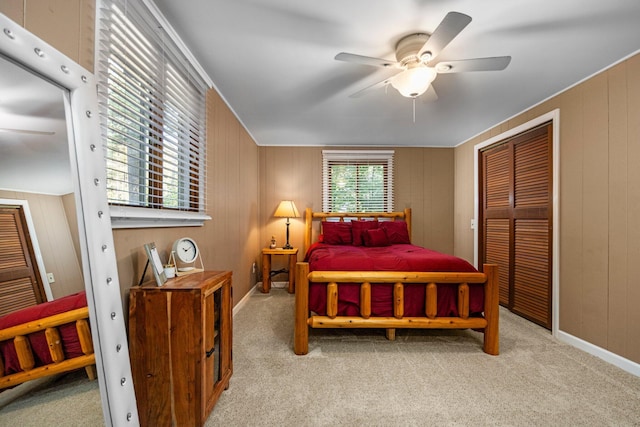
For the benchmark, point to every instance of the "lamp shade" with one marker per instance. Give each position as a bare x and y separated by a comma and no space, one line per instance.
414,81
287,209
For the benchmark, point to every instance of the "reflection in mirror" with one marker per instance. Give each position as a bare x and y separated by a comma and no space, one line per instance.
52,173
36,189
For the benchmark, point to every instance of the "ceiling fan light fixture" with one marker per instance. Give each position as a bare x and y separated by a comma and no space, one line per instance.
413,82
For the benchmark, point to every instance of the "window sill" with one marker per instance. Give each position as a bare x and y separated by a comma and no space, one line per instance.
130,217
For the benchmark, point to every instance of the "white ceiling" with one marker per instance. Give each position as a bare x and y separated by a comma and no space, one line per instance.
273,62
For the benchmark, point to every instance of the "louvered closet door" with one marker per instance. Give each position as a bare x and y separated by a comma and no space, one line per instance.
19,284
516,221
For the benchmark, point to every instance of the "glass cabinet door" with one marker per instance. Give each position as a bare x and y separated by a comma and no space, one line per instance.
212,369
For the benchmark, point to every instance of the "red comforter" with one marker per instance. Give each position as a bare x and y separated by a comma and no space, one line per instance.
323,257
68,332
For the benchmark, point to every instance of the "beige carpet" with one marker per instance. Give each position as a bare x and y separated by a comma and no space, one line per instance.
358,378
424,378
67,400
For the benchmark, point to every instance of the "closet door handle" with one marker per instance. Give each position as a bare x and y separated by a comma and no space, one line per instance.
210,352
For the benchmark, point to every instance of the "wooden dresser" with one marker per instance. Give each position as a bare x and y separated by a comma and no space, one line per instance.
180,338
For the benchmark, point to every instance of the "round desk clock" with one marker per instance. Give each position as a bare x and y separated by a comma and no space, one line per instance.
186,251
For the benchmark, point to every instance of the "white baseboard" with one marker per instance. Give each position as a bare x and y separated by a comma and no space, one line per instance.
245,299
606,355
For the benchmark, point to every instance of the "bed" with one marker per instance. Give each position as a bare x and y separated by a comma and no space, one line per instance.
46,339
363,272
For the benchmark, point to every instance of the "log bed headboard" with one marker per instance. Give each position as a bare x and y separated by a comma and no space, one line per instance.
309,216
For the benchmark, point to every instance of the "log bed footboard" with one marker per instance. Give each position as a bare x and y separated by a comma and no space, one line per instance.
49,324
489,324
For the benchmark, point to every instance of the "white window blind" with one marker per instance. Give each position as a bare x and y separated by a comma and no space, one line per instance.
357,180
152,103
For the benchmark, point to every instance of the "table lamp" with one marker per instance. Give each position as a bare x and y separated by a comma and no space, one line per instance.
287,209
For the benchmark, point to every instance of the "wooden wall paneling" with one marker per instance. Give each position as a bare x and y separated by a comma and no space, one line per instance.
288,173
402,174
595,189
412,188
232,190
571,212
56,244
617,328
633,187
69,204
306,190
267,195
464,204
248,217
55,239
424,181
87,16
14,10
442,189
234,195
58,23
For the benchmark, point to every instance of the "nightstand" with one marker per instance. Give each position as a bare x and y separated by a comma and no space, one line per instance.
266,267
180,337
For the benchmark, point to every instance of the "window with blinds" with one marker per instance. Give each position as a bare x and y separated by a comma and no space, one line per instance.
152,104
357,181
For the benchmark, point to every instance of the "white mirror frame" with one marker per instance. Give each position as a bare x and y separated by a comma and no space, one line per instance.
96,238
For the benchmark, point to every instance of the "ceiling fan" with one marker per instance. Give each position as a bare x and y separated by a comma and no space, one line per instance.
415,54
27,131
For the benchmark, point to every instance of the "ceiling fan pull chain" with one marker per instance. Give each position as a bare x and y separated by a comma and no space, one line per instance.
414,109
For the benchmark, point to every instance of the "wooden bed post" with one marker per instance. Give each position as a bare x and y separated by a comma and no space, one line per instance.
308,229
407,219
491,310
300,327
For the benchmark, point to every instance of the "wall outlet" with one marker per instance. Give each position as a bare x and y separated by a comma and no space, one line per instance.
253,268
50,278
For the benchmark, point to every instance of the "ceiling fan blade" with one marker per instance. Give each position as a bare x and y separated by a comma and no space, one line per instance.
496,63
447,30
366,60
27,132
372,87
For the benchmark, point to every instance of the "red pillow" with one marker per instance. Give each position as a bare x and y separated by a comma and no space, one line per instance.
397,232
336,233
359,227
375,237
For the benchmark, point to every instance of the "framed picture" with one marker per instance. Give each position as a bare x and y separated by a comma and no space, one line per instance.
156,264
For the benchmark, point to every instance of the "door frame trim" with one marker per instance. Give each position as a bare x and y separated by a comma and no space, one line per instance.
554,117
34,242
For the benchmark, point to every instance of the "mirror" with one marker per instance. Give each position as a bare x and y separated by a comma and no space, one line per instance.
69,161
